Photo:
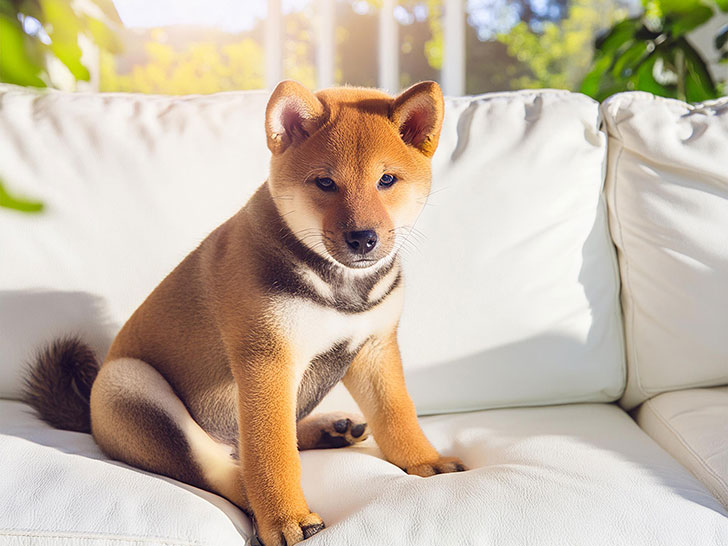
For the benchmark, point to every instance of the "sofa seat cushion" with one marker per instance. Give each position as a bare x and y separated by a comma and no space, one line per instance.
57,487
692,425
574,474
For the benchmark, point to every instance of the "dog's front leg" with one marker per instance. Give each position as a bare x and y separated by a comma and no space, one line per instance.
376,381
268,449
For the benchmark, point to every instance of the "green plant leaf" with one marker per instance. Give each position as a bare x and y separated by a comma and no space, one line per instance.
70,55
592,81
679,6
64,26
16,64
722,4
645,78
679,24
626,64
9,202
699,83
617,36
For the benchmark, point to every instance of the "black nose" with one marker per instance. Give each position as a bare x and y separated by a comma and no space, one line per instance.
361,242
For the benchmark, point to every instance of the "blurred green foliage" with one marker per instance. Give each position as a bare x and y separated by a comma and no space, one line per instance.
9,201
35,32
559,54
652,53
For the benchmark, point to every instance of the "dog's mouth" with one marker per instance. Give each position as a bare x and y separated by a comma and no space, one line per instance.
363,262
352,261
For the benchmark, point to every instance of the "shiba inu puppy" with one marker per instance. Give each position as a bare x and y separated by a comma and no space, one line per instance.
213,379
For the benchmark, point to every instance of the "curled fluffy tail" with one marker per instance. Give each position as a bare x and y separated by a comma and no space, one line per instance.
58,385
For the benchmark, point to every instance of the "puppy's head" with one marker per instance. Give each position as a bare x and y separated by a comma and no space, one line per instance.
351,167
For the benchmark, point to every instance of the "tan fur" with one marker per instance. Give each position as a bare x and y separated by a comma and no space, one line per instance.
217,353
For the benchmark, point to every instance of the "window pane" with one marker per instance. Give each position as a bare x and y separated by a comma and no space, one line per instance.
419,49
357,31
299,43
178,47
513,44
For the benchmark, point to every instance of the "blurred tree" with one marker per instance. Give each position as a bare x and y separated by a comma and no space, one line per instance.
183,60
356,38
492,17
490,65
558,55
196,67
299,46
415,38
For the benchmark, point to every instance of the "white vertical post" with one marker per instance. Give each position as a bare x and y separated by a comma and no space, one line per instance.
273,44
453,63
388,48
326,52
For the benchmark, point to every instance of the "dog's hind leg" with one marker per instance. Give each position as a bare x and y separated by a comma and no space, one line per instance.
326,430
137,418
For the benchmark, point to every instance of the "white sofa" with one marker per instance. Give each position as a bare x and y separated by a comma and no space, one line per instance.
519,352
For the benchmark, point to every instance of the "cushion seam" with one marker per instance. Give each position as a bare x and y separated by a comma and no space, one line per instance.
690,451
629,320
97,536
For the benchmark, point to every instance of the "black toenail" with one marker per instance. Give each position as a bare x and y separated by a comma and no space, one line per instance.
437,469
358,430
459,468
310,530
341,425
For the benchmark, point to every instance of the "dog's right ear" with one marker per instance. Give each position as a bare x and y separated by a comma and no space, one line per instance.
292,115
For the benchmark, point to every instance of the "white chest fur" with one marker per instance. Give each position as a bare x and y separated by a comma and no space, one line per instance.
312,329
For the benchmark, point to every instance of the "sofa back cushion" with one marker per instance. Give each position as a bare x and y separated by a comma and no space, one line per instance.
668,196
512,289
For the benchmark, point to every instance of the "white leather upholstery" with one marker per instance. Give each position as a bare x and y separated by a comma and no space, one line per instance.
575,474
512,290
57,487
667,188
130,185
692,425
512,300
512,286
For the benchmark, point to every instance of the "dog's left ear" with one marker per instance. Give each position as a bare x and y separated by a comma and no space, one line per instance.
417,113
292,115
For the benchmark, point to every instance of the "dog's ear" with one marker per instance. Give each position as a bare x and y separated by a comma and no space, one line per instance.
292,115
417,113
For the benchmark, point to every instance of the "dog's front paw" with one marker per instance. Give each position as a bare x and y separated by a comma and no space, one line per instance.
322,431
443,465
289,531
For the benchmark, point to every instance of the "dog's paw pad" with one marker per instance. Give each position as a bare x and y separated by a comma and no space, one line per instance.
310,525
344,431
310,530
357,431
341,425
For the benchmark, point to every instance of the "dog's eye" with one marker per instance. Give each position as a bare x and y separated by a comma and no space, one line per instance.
326,184
387,181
